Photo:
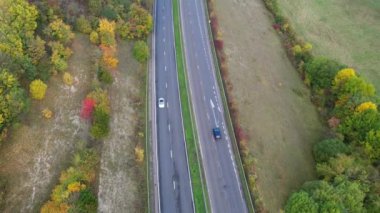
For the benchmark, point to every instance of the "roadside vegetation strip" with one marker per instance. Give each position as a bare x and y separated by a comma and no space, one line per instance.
229,122
198,186
147,135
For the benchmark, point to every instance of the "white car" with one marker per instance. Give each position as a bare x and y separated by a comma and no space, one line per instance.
161,103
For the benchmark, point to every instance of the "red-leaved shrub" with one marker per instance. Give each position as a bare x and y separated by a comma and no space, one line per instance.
87,108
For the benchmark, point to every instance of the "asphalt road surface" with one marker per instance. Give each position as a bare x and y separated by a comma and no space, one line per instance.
173,185
222,179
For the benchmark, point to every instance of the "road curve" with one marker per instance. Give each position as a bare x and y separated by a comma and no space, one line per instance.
223,183
173,185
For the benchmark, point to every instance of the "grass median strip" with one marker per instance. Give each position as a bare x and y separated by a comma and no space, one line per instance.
195,173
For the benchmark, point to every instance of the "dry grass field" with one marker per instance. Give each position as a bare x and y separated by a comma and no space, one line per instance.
347,30
275,109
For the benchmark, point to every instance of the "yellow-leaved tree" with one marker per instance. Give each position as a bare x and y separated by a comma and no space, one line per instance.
106,31
37,89
366,106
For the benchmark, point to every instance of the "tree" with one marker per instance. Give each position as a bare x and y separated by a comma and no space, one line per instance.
13,99
343,165
350,194
94,7
140,22
17,26
301,202
37,89
321,72
372,144
329,148
106,32
350,90
83,25
59,31
366,106
356,127
59,56
36,49
141,51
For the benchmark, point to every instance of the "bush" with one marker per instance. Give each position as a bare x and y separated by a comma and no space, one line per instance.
139,154
329,148
37,89
87,201
87,108
83,25
73,193
104,76
68,79
100,124
94,37
141,51
321,72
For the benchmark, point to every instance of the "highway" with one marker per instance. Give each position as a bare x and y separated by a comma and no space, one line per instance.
173,192
223,183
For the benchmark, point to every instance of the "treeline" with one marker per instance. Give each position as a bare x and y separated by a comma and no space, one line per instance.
31,50
348,159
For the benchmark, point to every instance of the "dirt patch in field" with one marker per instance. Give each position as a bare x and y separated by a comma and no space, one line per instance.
275,109
39,149
347,30
122,184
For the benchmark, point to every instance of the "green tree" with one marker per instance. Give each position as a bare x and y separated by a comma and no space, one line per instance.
94,7
326,149
344,165
301,202
372,144
12,99
36,49
83,25
351,195
356,127
321,71
141,51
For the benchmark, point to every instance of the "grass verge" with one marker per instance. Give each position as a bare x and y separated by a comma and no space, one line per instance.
199,189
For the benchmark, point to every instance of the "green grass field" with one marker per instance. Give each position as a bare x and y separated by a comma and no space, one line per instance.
347,30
